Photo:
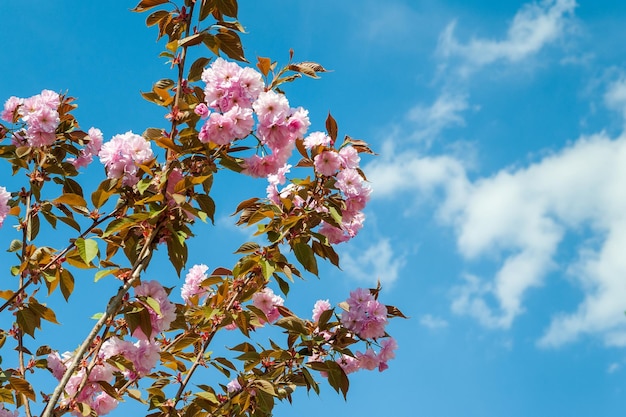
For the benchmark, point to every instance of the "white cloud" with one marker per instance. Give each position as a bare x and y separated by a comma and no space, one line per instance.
378,262
615,96
523,215
443,113
432,322
534,26
614,367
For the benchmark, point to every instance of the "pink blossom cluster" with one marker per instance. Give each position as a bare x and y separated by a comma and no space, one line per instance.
319,307
370,360
233,95
160,320
366,317
123,155
91,393
230,91
39,112
92,148
5,196
193,283
6,413
268,303
143,354
342,164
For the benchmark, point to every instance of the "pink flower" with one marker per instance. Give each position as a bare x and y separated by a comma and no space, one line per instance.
366,316
193,280
218,129
262,166
368,360
348,364
233,386
267,301
350,182
103,404
145,356
10,107
122,156
92,148
201,110
227,85
271,107
57,364
6,413
350,157
298,122
316,139
319,308
243,121
387,349
160,322
334,234
327,163
5,196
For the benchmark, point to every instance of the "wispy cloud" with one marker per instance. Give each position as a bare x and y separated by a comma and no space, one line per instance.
444,113
432,322
534,26
377,262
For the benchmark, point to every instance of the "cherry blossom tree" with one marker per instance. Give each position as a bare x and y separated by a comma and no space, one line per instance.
223,114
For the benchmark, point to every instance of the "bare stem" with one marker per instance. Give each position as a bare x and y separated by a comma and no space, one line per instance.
20,335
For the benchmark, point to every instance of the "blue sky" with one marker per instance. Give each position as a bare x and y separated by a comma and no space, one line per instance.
498,218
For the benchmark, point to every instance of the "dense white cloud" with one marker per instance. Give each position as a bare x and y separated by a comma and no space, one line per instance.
534,26
523,215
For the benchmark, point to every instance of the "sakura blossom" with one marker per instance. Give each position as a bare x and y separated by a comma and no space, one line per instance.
327,163
122,156
319,307
268,302
316,139
92,148
193,280
366,316
10,107
5,196
6,413
160,321
233,386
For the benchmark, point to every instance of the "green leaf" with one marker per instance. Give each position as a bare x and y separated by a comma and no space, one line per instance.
230,43
23,387
67,283
154,305
338,378
148,4
227,7
293,324
195,72
306,257
15,245
103,273
32,229
87,248
248,247
207,205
